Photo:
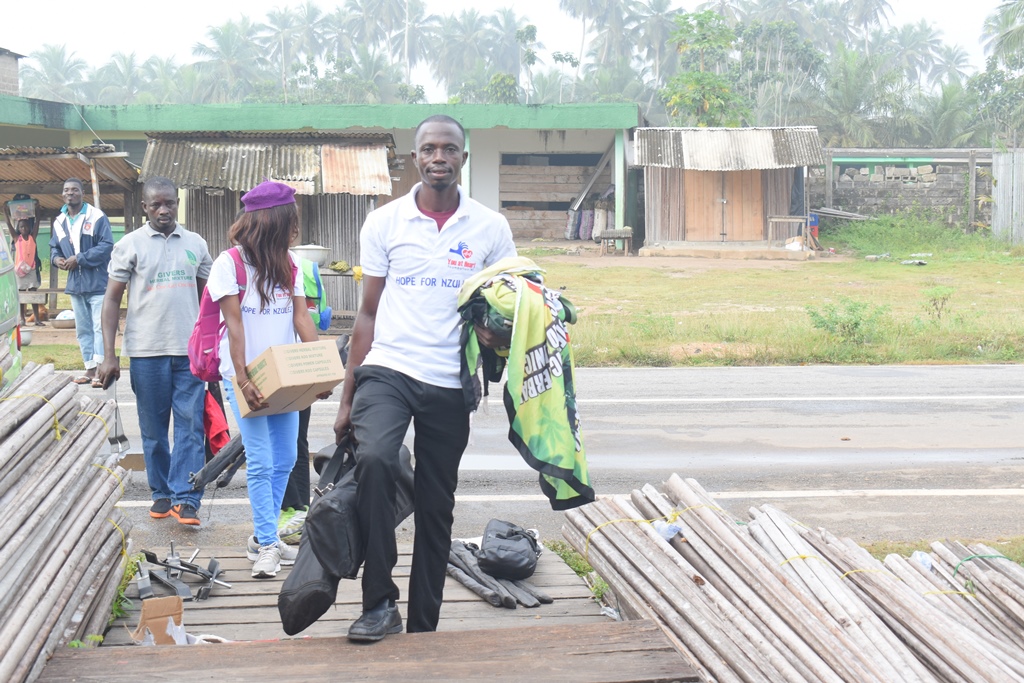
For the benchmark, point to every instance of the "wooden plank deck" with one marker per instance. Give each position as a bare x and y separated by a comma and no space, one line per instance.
568,640
248,610
610,652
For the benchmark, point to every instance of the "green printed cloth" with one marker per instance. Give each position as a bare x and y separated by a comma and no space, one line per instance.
539,395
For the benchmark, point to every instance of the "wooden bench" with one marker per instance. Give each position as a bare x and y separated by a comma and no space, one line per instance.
39,296
609,238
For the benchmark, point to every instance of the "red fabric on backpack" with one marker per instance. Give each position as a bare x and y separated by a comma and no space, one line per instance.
204,342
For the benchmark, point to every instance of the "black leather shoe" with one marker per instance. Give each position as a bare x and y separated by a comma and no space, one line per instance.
376,623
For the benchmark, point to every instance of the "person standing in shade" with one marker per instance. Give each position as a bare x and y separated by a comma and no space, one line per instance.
403,368
81,243
166,267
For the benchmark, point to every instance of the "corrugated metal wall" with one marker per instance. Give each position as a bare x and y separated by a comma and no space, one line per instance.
333,221
664,202
211,215
1007,196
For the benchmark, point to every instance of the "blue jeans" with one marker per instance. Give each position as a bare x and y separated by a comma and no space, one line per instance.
164,385
88,329
270,447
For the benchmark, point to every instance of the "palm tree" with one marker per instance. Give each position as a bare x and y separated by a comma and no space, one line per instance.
951,65
547,87
163,80
462,42
413,41
278,36
371,21
54,73
656,21
505,50
232,60
614,39
866,14
377,73
1004,30
585,11
120,79
950,118
338,41
914,48
860,101
310,26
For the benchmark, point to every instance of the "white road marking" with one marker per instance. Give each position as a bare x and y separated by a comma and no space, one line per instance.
725,495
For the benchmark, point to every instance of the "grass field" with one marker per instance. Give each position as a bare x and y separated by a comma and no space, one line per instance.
962,307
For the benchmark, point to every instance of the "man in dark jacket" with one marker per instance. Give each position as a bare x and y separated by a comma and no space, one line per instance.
80,243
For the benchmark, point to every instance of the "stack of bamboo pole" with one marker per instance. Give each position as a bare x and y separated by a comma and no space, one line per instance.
62,542
770,600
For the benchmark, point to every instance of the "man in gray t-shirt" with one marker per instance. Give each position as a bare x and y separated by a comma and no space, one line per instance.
166,267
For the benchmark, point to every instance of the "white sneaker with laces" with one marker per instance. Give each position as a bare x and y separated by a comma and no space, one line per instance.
268,562
288,553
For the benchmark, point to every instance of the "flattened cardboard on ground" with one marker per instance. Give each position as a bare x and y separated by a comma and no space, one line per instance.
291,375
160,622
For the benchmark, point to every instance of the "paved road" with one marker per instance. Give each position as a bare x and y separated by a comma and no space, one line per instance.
902,452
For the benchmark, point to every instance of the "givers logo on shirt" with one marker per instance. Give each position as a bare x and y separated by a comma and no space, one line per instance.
192,260
463,253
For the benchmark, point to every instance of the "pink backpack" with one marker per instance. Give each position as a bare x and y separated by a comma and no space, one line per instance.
204,343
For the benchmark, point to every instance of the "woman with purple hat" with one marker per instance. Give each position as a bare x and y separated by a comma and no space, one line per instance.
271,311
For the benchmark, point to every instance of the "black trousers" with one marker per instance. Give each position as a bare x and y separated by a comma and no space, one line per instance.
297,491
385,403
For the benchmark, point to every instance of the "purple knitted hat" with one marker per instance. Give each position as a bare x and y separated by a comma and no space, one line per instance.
267,195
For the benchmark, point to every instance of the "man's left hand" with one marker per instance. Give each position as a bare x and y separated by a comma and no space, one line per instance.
492,339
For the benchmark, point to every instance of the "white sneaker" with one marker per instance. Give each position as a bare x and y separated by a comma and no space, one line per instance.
288,553
268,562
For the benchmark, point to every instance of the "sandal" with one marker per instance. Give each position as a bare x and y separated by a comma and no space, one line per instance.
82,380
97,384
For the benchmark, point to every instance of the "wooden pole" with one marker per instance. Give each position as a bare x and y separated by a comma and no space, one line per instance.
95,185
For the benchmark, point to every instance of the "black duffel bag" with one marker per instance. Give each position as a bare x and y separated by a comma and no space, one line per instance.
310,589
333,528
508,551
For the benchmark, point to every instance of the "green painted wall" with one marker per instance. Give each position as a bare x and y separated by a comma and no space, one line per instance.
21,111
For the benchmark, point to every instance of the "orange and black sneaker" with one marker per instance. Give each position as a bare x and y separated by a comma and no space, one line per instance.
185,514
161,508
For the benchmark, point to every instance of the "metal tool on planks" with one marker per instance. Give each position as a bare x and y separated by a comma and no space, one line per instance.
118,440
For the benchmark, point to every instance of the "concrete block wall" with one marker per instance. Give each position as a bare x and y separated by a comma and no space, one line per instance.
940,190
9,75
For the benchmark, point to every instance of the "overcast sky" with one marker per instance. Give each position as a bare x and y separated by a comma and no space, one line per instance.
96,30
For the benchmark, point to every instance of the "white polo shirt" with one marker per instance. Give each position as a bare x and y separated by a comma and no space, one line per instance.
417,325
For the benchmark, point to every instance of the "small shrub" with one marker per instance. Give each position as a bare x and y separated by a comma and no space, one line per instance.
856,322
937,301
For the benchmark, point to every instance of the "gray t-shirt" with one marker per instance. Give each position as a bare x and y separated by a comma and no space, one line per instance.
163,303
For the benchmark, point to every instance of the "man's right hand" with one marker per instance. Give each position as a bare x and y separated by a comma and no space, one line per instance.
59,262
109,371
343,423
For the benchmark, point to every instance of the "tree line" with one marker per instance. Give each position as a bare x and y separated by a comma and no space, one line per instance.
836,64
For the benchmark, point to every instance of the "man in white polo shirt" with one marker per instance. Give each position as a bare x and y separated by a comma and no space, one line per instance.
404,367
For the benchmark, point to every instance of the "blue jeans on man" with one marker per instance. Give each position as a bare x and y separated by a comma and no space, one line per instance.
164,385
87,308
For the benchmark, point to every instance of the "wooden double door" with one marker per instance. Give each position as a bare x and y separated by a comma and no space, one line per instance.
724,206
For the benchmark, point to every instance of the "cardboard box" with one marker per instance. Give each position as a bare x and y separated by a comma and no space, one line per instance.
291,375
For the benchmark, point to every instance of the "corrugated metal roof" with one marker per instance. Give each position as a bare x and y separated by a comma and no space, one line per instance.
322,164
285,136
43,170
728,149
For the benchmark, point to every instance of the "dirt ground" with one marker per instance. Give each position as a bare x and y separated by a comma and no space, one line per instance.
589,254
